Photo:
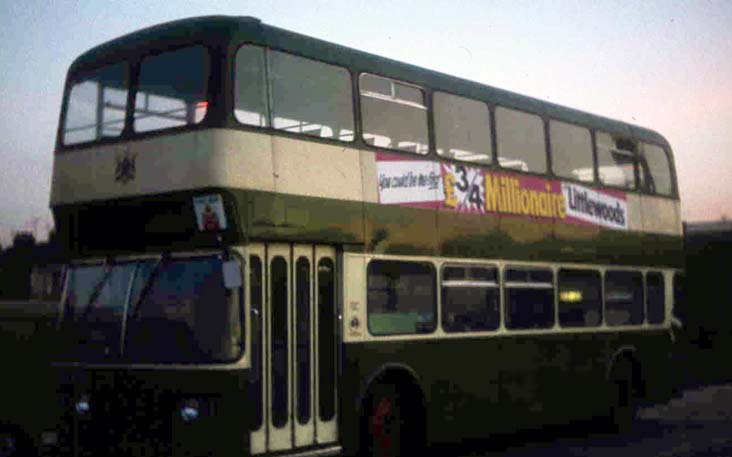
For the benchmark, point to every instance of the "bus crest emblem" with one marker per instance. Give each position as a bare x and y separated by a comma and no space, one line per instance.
124,172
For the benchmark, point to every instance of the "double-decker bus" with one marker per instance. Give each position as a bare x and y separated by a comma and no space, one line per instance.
279,245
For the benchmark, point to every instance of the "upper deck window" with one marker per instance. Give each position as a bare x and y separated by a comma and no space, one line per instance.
462,128
656,169
520,139
571,151
171,90
393,114
96,105
310,97
615,161
306,96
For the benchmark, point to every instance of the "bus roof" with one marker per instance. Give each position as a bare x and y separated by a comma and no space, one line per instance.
227,31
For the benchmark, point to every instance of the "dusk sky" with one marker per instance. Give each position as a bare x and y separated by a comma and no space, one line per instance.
665,65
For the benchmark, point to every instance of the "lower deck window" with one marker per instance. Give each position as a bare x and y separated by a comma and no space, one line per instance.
580,304
655,298
529,298
401,297
623,298
470,298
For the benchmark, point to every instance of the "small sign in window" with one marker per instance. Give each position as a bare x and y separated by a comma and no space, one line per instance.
210,214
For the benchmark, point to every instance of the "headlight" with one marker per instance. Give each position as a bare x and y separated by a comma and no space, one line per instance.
190,411
82,405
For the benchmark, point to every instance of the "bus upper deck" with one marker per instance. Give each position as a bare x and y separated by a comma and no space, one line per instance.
298,139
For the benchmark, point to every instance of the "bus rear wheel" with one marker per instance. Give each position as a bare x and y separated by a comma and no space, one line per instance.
622,401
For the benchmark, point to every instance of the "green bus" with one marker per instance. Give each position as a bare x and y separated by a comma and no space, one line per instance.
280,245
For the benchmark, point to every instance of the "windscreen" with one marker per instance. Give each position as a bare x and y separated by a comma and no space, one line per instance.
152,311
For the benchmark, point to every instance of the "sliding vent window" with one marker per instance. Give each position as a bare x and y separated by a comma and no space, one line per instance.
310,97
394,114
615,161
250,91
580,302
401,297
571,151
171,91
529,298
470,298
520,139
96,105
657,169
623,298
462,128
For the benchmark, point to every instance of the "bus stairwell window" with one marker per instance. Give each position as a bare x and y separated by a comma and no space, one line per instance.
401,297
310,97
393,114
580,303
529,298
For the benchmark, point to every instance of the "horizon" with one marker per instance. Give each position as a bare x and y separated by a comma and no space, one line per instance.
661,65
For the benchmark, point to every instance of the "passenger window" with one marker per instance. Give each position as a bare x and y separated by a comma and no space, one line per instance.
623,298
615,161
393,114
401,297
462,128
310,97
529,298
520,139
655,298
167,97
580,303
470,298
96,106
250,92
571,151
656,169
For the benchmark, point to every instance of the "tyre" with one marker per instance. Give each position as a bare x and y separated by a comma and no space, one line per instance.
622,399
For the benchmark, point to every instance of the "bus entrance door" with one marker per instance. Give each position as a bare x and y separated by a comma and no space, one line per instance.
294,333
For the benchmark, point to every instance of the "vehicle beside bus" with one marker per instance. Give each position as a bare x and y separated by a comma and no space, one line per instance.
27,389
278,245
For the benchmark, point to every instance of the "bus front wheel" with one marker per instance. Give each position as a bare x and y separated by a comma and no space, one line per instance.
391,428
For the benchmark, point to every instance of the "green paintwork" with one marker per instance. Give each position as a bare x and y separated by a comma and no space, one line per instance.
167,222
506,383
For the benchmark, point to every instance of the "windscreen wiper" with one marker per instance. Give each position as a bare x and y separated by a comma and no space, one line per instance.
135,308
97,291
